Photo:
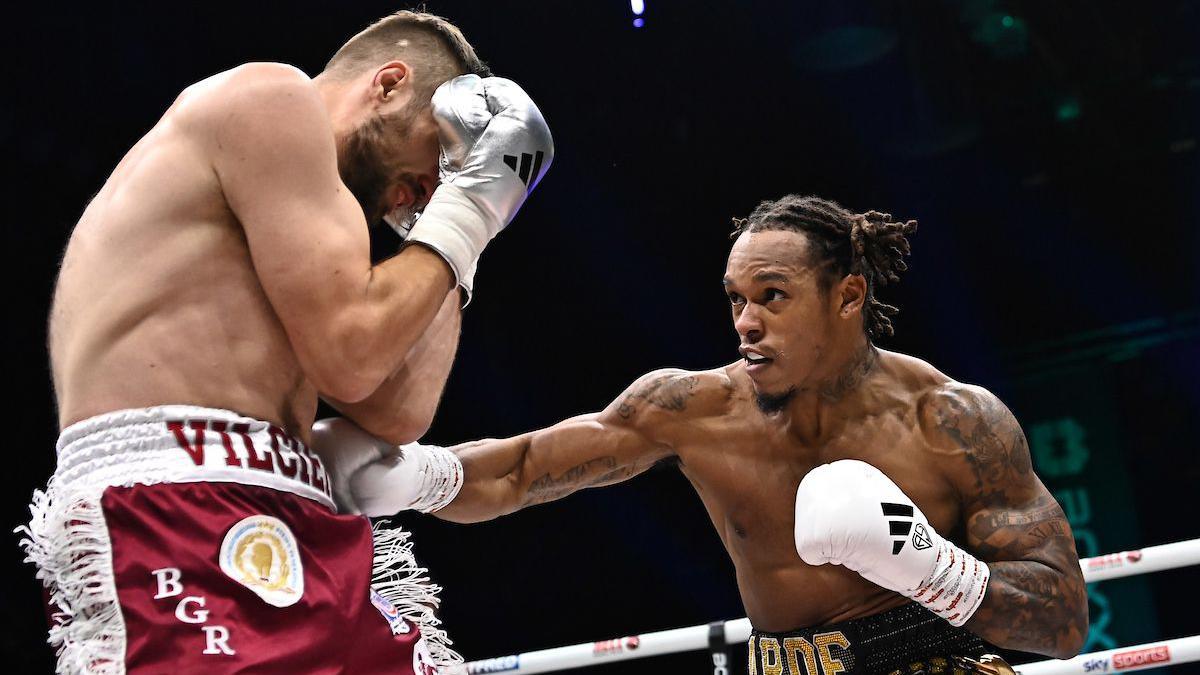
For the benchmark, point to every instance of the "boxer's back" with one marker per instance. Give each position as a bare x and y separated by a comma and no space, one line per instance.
158,301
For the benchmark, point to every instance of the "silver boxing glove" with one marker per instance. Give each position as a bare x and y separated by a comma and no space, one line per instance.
495,148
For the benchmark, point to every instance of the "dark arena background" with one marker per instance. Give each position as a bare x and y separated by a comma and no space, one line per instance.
1048,149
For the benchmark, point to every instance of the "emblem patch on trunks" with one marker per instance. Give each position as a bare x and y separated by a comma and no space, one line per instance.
261,553
396,622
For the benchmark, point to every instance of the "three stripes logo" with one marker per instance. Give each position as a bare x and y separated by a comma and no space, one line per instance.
529,165
902,526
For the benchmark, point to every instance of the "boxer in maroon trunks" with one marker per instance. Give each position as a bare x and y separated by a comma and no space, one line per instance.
205,578
225,266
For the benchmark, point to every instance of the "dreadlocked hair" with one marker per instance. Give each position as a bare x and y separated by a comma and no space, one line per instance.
872,244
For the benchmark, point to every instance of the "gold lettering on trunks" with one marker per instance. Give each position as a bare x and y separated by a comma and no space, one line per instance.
752,667
791,646
831,665
771,663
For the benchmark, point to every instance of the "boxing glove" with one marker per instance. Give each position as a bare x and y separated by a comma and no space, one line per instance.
496,147
850,513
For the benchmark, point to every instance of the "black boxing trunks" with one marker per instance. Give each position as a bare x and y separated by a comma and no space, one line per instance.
908,640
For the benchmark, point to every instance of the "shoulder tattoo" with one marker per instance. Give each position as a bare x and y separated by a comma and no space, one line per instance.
668,391
990,438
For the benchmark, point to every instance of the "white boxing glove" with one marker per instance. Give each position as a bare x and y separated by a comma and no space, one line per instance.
496,146
345,448
849,513
419,477
374,478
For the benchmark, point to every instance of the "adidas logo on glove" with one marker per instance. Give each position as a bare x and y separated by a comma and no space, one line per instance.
530,164
901,528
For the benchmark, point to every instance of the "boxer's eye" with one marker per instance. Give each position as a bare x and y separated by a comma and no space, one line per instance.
773,294
735,299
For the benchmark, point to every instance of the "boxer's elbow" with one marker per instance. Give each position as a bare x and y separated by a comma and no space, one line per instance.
346,386
1072,648
1076,635
1067,627
399,427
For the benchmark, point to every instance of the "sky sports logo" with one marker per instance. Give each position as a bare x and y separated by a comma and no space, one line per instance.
1137,658
1141,657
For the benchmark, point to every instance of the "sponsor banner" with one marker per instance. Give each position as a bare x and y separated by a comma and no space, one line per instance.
1141,657
1113,560
500,664
1072,421
617,646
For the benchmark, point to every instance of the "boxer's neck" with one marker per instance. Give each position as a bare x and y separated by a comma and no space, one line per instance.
346,110
836,394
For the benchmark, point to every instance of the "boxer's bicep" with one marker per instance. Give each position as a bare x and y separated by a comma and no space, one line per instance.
277,164
1008,512
1035,598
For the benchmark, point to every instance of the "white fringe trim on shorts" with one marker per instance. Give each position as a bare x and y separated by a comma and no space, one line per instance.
67,539
396,576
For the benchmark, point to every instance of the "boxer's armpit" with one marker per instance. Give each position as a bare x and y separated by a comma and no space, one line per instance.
1036,600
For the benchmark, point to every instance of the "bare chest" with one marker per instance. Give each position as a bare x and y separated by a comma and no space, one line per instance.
747,477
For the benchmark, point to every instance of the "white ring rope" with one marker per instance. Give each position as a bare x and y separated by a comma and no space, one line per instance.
692,638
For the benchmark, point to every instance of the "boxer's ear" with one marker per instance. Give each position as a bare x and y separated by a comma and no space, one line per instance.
851,293
388,79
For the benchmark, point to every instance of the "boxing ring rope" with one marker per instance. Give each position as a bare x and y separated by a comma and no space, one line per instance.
695,638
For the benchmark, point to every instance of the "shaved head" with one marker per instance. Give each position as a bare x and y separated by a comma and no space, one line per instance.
433,47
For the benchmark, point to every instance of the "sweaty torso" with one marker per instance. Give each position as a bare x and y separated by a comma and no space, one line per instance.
746,467
157,301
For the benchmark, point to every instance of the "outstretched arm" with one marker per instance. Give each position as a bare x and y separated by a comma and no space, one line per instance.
485,479
1036,600
623,440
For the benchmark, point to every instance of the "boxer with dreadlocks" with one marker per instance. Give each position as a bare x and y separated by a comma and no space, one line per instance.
882,518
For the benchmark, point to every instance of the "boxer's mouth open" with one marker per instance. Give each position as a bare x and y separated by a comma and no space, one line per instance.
755,360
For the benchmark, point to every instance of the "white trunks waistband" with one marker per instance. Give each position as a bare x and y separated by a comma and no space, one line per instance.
183,444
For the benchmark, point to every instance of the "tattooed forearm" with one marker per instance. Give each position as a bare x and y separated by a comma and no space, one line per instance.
669,392
1036,600
548,488
1033,608
1026,608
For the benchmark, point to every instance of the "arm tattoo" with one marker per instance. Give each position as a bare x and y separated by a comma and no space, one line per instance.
1036,599
592,472
669,392
993,442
